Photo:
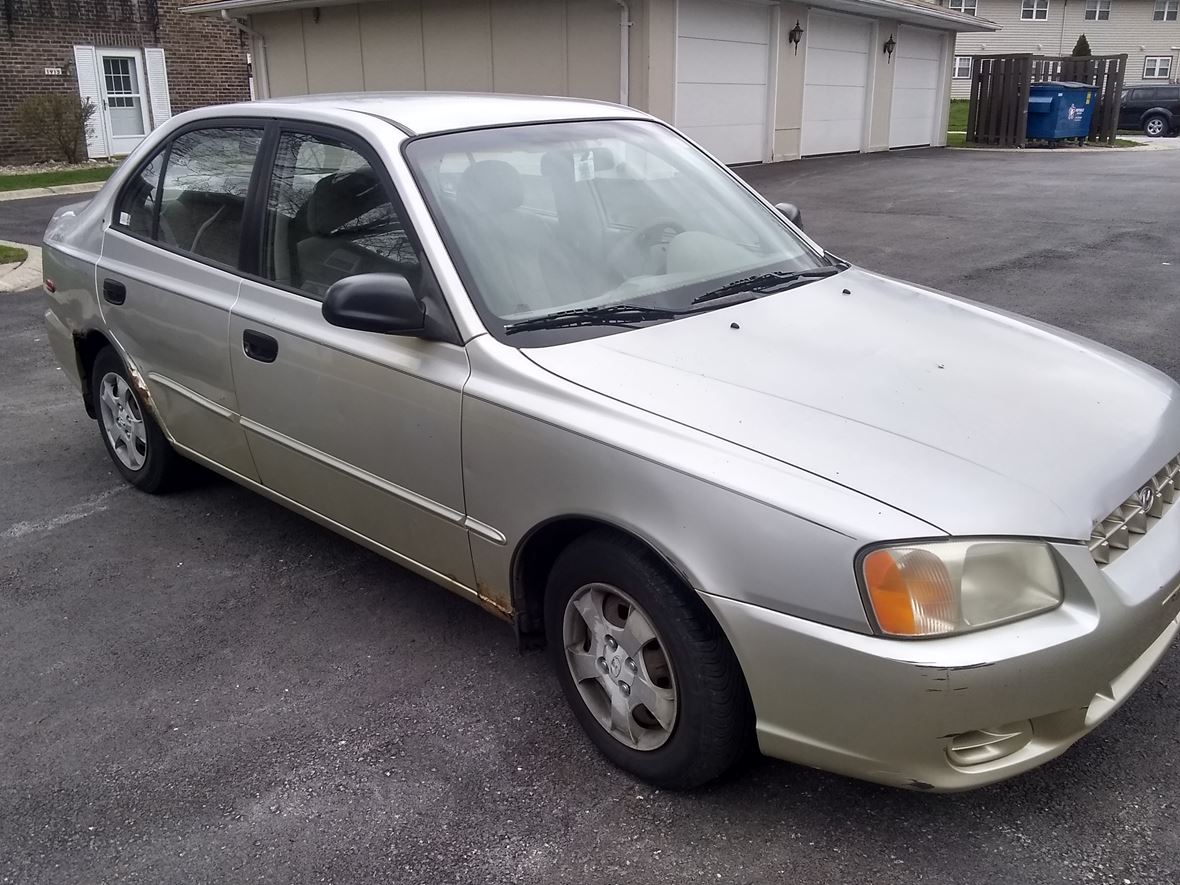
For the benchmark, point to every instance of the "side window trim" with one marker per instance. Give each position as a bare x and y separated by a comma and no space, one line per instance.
165,152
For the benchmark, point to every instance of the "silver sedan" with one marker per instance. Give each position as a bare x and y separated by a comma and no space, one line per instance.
552,356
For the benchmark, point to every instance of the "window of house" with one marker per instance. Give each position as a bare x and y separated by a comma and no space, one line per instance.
329,216
965,6
1097,10
1157,67
962,67
1034,10
1165,10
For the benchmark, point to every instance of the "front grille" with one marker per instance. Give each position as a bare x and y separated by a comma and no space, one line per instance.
1137,515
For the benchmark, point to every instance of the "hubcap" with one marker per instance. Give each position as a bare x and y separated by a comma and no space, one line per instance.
620,666
1155,127
122,420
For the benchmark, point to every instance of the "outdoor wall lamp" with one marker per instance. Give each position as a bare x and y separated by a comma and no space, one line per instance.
795,35
889,46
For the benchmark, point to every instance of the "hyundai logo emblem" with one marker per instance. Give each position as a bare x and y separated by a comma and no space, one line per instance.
1146,498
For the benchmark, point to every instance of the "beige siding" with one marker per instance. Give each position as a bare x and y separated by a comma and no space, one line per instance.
556,47
881,74
1130,27
788,106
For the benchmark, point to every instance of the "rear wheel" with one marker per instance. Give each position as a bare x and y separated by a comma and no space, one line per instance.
643,664
133,439
1155,126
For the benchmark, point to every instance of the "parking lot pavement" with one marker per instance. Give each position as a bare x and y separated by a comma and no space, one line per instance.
204,687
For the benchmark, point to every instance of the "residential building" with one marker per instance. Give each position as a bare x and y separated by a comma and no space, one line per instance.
1148,31
138,61
752,80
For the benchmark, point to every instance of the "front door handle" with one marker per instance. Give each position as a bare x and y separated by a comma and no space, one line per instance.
259,347
114,291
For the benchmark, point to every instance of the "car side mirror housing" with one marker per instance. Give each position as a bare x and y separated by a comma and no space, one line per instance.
791,212
375,302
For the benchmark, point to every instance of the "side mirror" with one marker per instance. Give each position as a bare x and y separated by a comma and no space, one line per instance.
375,302
790,212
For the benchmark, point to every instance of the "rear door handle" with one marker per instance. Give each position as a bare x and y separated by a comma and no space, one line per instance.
259,347
114,291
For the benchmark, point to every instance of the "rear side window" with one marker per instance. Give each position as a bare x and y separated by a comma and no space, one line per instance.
191,197
329,216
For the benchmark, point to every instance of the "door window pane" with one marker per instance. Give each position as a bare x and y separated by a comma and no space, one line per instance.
204,192
328,217
124,102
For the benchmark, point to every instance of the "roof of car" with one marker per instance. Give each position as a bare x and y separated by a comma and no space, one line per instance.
420,113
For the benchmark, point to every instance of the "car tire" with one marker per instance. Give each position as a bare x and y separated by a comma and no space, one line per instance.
698,719
133,439
1156,126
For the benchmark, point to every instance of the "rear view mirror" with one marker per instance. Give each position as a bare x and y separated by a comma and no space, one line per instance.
791,212
375,302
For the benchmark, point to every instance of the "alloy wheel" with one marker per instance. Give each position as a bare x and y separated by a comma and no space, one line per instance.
122,420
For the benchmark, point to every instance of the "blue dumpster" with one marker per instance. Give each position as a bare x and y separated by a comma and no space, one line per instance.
1060,110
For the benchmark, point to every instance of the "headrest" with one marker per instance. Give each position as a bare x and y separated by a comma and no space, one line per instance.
340,198
491,186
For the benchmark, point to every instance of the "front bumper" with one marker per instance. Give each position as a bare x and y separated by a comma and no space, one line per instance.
889,710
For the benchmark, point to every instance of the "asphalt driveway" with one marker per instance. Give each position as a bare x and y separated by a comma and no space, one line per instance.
205,687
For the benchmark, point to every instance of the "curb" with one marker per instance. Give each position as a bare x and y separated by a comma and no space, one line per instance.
26,275
88,187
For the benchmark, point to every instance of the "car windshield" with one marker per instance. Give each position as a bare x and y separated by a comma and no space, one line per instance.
585,215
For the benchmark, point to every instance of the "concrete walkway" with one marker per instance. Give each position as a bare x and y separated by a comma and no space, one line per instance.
26,274
88,187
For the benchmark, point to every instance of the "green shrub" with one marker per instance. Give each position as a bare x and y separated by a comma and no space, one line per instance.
1081,49
56,124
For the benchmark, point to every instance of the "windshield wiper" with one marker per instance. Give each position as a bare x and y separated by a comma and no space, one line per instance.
609,315
768,283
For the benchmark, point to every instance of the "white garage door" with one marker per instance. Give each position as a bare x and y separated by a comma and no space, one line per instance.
918,60
835,84
722,63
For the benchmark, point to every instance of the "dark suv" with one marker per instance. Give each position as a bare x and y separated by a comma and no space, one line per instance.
1154,109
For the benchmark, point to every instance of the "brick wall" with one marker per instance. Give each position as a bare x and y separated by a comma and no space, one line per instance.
206,58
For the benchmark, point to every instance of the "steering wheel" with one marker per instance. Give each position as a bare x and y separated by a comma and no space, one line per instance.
634,250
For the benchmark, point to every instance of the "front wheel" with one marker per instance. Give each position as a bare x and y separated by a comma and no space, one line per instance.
645,667
1155,127
133,439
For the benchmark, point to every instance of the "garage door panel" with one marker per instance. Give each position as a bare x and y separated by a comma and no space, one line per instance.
720,61
730,144
703,104
741,22
916,77
825,103
835,84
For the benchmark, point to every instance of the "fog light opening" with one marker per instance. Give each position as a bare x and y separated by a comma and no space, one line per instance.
988,745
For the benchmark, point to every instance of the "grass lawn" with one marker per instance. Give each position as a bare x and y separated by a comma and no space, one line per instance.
958,118
12,255
53,178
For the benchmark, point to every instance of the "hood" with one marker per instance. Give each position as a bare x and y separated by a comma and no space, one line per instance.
971,419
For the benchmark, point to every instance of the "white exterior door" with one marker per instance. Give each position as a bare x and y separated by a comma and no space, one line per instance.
722,71
916,82
124,99
835,84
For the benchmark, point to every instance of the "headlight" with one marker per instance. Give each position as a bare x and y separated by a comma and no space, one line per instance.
944,587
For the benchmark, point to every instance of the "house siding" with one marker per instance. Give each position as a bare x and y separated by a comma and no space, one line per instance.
554,47
206,59
1130,27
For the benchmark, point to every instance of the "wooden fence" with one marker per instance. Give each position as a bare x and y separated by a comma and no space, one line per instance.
1000,85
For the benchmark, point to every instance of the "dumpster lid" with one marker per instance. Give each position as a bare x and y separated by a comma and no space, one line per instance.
1062,84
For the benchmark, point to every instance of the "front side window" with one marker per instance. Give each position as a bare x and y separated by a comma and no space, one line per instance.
1165,10
593,214
140,200
1157,67
965,6
1034,10
1097,10
329,216
962,67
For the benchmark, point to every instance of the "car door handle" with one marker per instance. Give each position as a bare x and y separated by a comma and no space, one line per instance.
259,347
114,291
